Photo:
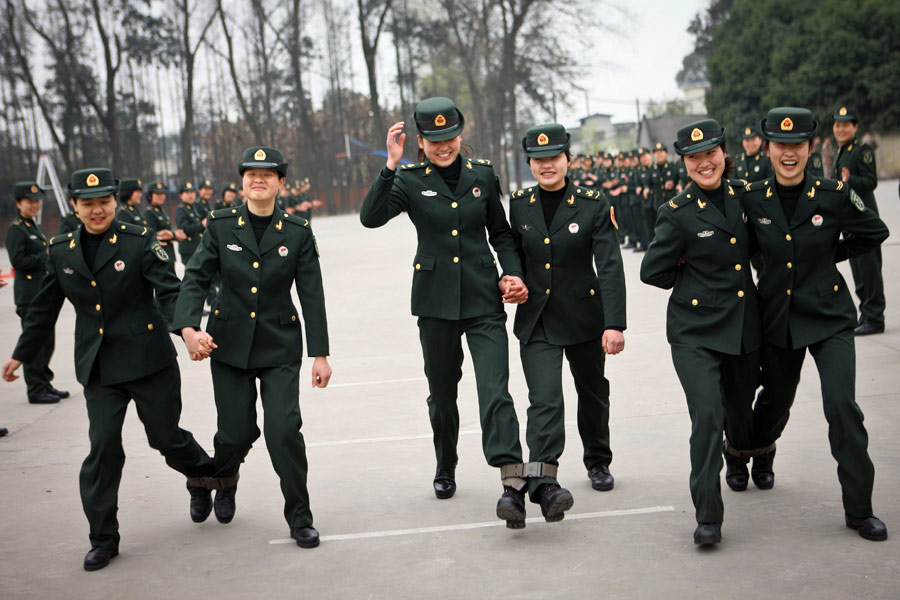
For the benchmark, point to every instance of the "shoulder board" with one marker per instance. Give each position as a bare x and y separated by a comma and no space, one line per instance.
757,186
62,237
293,219
480,161
523,193
412,166
831,185
129,228
17,222
590,193
680,200
223,213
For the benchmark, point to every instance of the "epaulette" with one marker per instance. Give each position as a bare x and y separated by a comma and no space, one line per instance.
129,228
289,218
479,161
831,185
584,192
411,166
523,193
223,213
756,186
17,222
682,199
62,237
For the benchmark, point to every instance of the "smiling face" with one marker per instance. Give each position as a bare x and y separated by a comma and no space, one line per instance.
157,199
550,173
97,214
660,156
29,207
262,185
751,144
706,168
441,154
135,197
844,131
789,160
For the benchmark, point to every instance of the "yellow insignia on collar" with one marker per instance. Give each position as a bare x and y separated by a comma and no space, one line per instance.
440,121
571,199
278,225
811,193
113,239
843,111
531,200
543,140
469,165
787,124
240,221
768,192
260,155
427,170
71,244
730,191
696,135
701,203
92,180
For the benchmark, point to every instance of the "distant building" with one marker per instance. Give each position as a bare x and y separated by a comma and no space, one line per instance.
594,132
663,129
695,95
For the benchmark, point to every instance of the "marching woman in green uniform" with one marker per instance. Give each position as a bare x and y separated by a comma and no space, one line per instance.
130,194
804,225
109,271
229,194
27,249
157,218
254,333
452,201
562,231
701,250
753,164
189,222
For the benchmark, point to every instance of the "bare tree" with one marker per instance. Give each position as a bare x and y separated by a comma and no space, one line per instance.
370,35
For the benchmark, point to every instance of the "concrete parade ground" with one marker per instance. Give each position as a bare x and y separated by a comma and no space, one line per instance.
385,535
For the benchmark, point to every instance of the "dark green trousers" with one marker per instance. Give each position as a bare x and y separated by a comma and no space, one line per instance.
37,373
442,350
235,391
866,270
157,398
836,361
545,432
719,389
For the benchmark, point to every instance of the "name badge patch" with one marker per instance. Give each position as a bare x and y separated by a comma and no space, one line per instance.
705,233
283,251
234,247
764,221
429,193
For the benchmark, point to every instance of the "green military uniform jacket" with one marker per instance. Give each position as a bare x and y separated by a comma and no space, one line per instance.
713,303
660,173
753,168
201,207
804,298
860,161
117,321
815,167
68,223
254,321
220,204
129,214
27,249
187,219
574,302
454,272
157,219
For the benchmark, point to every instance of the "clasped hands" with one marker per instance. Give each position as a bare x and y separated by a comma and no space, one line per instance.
513,289
199,343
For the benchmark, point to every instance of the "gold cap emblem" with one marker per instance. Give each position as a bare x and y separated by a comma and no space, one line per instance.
659,145
543,140
34,189
696,135
440,121
260,155
139,182
92,180
843,111
188,185
747,131
787,124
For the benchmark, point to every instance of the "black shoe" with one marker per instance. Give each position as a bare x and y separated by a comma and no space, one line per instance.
445,482
307,537
708,534
640,248
629,245
201,504
555,501
736,473
511,507
44,398
762,473
870,528
60,393
869,329
98,557
224,505
601,479
3,431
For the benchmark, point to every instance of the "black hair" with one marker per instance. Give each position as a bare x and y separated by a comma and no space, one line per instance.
125,196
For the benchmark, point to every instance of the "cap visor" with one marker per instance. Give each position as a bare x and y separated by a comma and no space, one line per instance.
700,147
94,192
546,152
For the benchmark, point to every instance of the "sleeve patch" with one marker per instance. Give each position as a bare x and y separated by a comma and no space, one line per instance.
857,201
159,252
868,157
612,217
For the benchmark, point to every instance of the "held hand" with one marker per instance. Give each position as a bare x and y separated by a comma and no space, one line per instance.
9,369
164,234
646,194
670,184
305,205
395,140
199,343
845,174
203,222
290,209
317,203
514,290
613,341
321,372
180,235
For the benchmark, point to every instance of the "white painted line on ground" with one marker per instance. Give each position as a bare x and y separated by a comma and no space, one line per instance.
337,385
483,525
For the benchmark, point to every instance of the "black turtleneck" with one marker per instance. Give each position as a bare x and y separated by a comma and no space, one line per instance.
789,196
90,244
550,201
259,224
450,173
716,197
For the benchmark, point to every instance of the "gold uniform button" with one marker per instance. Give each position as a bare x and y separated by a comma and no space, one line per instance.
790,265
453,205
593,292
737,267
97,307
93,284
123,227
216,312
253,290
733,240
255,265
293,317
788,237
149,326
695,302
252,315
101,331
546,240
456,259
28,277
418,266
789,292
835,288
548,291
740,293
547,266
454,233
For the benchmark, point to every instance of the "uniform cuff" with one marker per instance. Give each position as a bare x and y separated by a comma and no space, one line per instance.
387,173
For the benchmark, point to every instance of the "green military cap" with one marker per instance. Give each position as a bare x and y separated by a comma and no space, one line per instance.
129,184
27,189
642,150
257,157
93,183
698,136
659,146
749,132
157,187
438,119
187,186
789,124
846,113
230,187
206,183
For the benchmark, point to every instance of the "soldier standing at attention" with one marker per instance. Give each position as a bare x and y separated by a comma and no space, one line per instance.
158,220
804,226
188,221
701,251
452,201
816,166
753,164
854,165
130,202
664,178
203,204
27,249
562,231
254,334
109,271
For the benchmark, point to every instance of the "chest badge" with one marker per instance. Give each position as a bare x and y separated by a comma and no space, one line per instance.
476,192
756,169
526,227
119,265
706,233
68,271
573,227
34,237
744,216
283,251
764,221
429,193
817,220
234,247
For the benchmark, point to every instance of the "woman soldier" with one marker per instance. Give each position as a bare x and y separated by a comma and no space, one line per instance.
130,194
804,225
702,250
109,271
561,232
452,201
157,219
27,249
